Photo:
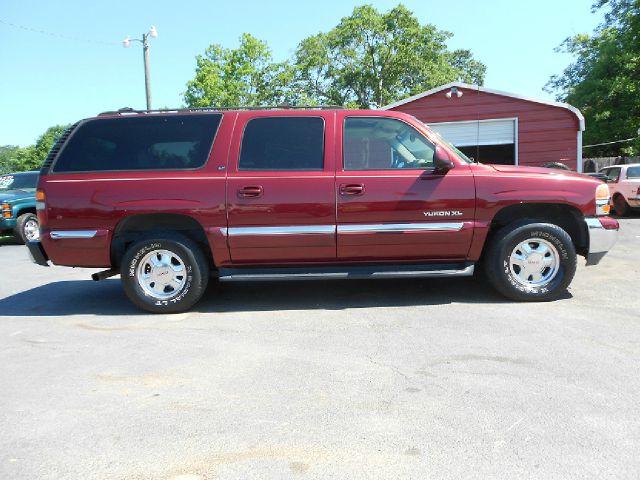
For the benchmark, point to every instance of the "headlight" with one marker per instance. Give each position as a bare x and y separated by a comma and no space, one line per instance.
602,199
6,210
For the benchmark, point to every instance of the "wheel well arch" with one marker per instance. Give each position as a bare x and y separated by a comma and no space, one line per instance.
134,227
567,217
23,210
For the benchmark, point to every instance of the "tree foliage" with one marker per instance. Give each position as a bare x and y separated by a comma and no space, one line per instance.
242,76
604,79
369,59
22,159
372,58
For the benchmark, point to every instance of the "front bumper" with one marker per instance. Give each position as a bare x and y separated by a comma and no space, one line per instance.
603,234
38,255
7,223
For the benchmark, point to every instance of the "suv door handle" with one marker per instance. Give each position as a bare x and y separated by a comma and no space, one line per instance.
250,191
352,189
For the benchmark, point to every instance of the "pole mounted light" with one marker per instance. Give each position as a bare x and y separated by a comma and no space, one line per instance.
126,43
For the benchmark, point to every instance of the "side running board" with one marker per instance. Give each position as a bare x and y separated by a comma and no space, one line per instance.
347,272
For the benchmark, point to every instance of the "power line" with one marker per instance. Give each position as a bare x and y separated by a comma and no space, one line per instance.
610,143
56,35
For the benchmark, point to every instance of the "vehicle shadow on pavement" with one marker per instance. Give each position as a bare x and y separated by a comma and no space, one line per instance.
8,241
86,297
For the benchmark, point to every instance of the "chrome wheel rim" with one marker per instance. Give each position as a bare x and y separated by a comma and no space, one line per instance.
534,262
161,274
31,230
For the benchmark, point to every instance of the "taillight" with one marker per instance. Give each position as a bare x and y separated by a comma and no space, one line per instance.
602,199
40,205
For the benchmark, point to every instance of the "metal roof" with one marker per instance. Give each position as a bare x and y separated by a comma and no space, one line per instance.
468,86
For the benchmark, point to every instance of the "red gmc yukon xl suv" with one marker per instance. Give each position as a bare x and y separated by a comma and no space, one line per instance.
169,199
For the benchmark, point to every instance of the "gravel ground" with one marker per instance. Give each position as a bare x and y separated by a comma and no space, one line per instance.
321,380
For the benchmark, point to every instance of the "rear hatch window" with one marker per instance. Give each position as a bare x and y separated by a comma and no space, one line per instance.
158,142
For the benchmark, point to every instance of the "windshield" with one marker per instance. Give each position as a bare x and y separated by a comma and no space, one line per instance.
21,181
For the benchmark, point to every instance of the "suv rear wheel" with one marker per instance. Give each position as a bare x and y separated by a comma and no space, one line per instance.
166,273
531,262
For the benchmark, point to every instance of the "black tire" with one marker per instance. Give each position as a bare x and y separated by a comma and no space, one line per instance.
621,206
25,224
145,294
513,281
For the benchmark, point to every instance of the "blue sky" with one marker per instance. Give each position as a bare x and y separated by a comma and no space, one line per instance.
49,80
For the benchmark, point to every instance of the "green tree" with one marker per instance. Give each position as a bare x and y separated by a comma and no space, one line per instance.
604,79
21,159
7,158
369,59
372,59
244,76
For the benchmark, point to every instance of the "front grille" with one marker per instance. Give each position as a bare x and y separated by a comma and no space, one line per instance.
53,153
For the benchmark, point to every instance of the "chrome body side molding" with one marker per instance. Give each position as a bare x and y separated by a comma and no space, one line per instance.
65,234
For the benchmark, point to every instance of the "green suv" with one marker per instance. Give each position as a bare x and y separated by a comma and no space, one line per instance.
18,205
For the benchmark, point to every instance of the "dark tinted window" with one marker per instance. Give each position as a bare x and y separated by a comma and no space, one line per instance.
19,181
157,142
283,143
377,143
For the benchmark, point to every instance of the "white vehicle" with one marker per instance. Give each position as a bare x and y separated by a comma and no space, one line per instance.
624,185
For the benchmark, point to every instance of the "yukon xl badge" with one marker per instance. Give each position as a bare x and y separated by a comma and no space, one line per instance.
443,213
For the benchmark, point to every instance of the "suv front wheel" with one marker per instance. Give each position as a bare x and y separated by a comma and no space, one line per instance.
27,228
531,262
164,274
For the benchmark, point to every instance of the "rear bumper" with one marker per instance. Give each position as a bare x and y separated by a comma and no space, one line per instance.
37,253
603,234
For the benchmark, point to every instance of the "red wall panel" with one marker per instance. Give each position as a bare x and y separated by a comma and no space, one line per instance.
546,133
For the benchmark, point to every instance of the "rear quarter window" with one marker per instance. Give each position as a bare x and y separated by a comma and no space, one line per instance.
139,143
633,172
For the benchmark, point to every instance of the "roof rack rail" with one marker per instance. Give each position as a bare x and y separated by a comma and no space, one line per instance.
284,106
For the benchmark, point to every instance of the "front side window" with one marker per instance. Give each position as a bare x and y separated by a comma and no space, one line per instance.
283,143
613,174
377,143
154,142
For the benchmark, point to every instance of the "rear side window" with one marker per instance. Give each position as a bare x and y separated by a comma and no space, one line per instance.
139,143
633,172
283,143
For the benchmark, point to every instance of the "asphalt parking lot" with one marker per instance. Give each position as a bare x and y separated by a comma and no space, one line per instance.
342,380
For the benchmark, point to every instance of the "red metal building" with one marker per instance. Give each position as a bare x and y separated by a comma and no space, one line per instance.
500,127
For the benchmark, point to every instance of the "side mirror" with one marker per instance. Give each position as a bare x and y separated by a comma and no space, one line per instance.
441,161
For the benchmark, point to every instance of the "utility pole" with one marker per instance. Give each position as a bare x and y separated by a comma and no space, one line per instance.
126,43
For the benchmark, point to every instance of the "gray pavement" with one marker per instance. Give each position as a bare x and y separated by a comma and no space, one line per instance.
321,380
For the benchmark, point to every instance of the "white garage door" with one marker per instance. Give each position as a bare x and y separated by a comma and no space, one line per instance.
484,132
